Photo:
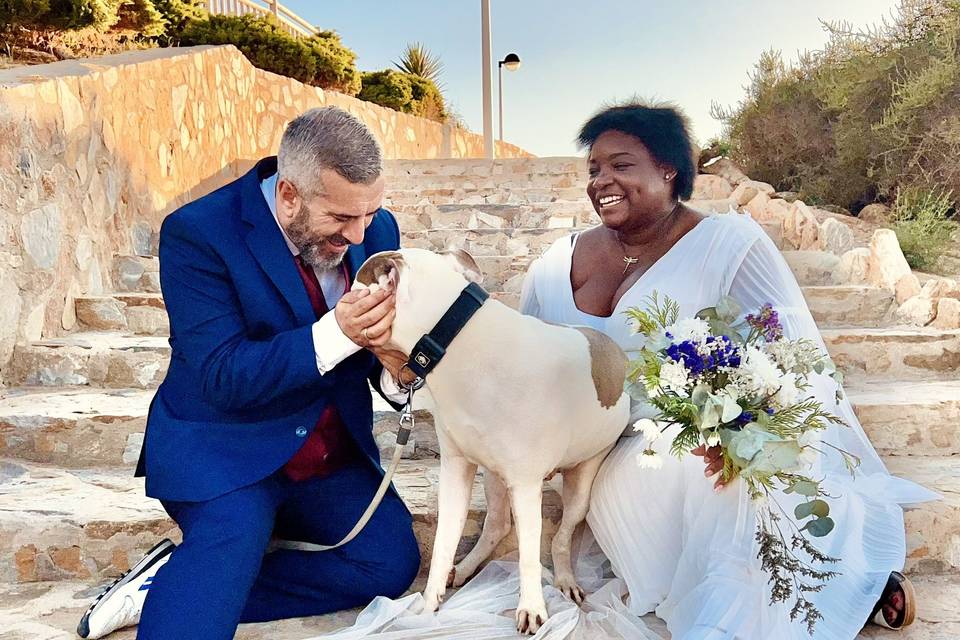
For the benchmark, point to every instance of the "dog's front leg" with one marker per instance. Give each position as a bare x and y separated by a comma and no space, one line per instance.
453,501
527,500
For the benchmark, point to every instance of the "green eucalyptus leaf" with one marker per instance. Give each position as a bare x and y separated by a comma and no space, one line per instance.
807,488
818,528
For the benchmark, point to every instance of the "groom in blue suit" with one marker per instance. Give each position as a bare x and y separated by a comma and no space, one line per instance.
262,425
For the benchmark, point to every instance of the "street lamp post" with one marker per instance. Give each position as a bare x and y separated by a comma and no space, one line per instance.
487,60
512,62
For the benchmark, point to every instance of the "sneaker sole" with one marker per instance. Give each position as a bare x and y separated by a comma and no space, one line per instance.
154,555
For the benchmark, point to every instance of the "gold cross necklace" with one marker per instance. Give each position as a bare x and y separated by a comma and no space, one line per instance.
629,261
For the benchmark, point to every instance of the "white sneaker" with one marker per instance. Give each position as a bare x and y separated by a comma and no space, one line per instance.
121,603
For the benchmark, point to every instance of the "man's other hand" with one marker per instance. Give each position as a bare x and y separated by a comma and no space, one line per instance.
365,317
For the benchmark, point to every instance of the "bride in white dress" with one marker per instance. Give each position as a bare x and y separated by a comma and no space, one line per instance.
677,547
686,551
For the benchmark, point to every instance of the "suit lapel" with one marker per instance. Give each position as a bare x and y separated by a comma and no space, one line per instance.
268,246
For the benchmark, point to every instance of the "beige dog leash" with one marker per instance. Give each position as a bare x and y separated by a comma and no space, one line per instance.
406,425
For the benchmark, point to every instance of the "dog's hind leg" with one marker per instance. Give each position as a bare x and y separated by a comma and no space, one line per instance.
496,526
453,501
577,483
527,500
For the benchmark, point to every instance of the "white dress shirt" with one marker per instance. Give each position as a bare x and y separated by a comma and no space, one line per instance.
330,344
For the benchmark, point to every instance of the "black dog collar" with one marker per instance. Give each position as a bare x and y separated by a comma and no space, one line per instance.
432,346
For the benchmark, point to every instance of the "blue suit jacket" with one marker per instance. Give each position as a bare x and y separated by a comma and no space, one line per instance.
243,390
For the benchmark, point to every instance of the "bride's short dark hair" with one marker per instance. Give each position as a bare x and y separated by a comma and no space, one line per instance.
661,128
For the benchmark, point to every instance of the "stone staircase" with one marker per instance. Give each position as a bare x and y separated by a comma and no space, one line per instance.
73,413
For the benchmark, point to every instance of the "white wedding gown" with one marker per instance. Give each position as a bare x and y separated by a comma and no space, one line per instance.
680,549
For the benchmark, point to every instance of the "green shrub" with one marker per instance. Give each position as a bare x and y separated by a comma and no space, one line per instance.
388,88
921,222
23,12
403,92
176,15
870,112
260,39
335,64
76,14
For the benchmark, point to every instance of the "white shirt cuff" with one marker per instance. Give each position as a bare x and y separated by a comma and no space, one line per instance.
330,344
391,389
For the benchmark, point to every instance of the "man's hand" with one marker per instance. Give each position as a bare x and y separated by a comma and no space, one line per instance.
365,317
393,362
713,457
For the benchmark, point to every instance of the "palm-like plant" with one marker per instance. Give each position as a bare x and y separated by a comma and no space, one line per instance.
418,60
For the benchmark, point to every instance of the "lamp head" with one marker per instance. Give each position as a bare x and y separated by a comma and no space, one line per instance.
511,61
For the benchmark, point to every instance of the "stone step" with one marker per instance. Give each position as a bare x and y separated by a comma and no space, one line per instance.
101,359
486,195
74,427
51,610
138,313
511,181
550,215
480,167
897,353
83,427
909,418
58,524
850,305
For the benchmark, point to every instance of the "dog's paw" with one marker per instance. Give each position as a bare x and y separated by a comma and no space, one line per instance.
432,601
530,619
458,577
568,586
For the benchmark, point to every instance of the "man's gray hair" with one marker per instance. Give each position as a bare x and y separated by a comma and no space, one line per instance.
327,138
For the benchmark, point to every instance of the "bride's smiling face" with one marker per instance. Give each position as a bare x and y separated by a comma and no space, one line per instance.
626,184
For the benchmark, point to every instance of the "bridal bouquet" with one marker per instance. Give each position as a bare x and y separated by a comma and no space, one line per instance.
741,386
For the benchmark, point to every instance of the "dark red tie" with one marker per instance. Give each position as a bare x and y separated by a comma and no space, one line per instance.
329,445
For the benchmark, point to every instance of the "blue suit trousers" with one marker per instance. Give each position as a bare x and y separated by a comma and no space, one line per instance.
220,575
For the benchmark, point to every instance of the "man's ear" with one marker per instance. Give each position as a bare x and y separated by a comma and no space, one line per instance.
288,200
464,263
383,269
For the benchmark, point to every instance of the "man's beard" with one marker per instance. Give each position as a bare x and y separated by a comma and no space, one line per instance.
311,247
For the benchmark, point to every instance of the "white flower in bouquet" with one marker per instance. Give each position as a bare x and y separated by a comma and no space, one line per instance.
788,393
649,459
674,376
693,329
650,429
757,375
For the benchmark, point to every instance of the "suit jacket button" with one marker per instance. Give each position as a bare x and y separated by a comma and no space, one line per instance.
301,431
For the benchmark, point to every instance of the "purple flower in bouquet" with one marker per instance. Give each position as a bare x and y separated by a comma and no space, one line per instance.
767,322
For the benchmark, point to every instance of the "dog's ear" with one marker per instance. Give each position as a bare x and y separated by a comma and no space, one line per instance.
381,268
464,263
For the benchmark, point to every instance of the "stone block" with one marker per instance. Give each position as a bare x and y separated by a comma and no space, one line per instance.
948,314
917,311
757,207
854,265
725,168
876,213
710,187
835,236
887,264
101,313
907,287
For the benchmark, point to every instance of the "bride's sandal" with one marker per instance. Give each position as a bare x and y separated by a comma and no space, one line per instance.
898,588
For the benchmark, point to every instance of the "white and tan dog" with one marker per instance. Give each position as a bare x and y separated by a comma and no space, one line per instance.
518,396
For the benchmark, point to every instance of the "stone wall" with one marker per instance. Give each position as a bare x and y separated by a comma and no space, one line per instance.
95,153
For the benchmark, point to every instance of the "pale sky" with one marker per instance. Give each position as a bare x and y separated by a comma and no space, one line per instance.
576,56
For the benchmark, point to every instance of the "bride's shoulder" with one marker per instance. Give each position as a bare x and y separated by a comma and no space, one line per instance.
736,227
